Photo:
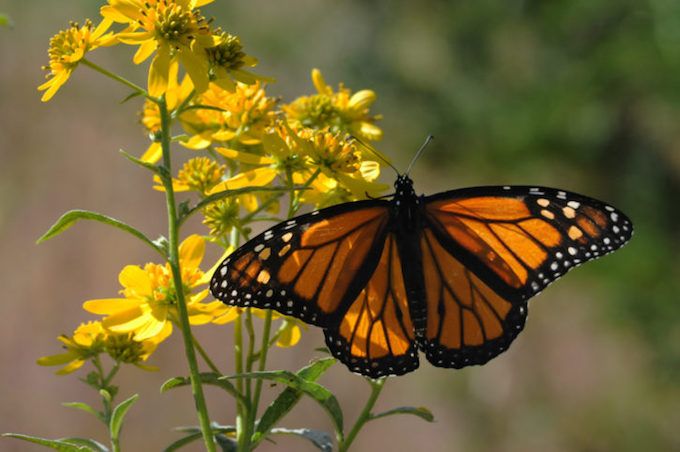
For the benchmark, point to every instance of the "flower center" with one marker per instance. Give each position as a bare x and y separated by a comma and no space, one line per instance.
72,41
228,54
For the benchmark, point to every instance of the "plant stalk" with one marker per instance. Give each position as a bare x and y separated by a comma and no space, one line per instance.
173,261
365,416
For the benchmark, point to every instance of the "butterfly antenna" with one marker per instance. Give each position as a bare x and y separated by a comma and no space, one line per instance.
418,154
374,151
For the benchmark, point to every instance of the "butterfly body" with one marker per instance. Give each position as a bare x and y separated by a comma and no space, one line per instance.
448,274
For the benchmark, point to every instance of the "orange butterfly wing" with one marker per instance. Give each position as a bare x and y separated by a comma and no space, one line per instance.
487,250
376,336
309,267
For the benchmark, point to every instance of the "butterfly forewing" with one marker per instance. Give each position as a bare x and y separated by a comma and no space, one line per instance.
306,267
520,239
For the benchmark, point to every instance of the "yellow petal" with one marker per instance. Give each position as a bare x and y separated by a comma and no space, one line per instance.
253,178
191,251
101,28
369,170
245,157
57,360
135,37
153,153
118,14
229,314
320,83
289,334
71,367
133,277
223,135
150,329
225,83
199,3
129,321
144,51
159,72
370,131
107,306
54,84
197,142
362,99
196,66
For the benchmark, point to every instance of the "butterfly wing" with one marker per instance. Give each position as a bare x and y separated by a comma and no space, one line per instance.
309,267
487,250
375,336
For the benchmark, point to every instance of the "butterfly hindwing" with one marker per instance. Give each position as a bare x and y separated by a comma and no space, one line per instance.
467,321
376,336
307,266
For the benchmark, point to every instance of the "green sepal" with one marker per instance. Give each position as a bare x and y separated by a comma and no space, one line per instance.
322,440
130,96
421,412
70,218
62,444
118,415
319,393
285,402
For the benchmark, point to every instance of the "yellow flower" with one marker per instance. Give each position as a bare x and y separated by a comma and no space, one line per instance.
227,60
175,94
68,48
242,115
149,306
340,111
222,216
86,343
198,174
171,28
123,348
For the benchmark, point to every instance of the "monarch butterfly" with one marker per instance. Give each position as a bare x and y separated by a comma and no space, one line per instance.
448,274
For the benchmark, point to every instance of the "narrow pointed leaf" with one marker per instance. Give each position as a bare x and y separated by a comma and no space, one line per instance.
322,440
421,412
150,166
209,378
314,390
70,218
132,95
61,445
83,407
285,402
119,414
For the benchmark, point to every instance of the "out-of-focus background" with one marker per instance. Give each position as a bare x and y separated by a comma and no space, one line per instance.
581,94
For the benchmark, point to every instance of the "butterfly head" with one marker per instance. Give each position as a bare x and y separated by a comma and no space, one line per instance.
403,187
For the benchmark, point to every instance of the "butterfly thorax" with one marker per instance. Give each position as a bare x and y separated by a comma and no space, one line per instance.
406,206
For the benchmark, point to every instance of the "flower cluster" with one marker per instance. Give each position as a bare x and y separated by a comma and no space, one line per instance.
309,152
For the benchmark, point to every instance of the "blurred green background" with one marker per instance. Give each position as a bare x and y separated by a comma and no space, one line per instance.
580,94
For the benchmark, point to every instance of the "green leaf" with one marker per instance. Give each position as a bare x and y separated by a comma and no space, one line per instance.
150,166
322,440
209,378
61,445
421,412
119,414
83,407
226,443
285,402
70,218
319,393
87,442
130,96
229,193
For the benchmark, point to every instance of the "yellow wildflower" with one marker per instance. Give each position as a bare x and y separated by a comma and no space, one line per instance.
340,111
227,61
68,48
173,29
86,343
150,304
222,216
241,115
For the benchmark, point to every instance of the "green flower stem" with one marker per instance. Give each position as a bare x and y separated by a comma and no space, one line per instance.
205,356
241,410
365,416
173,261
180,109
118,78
